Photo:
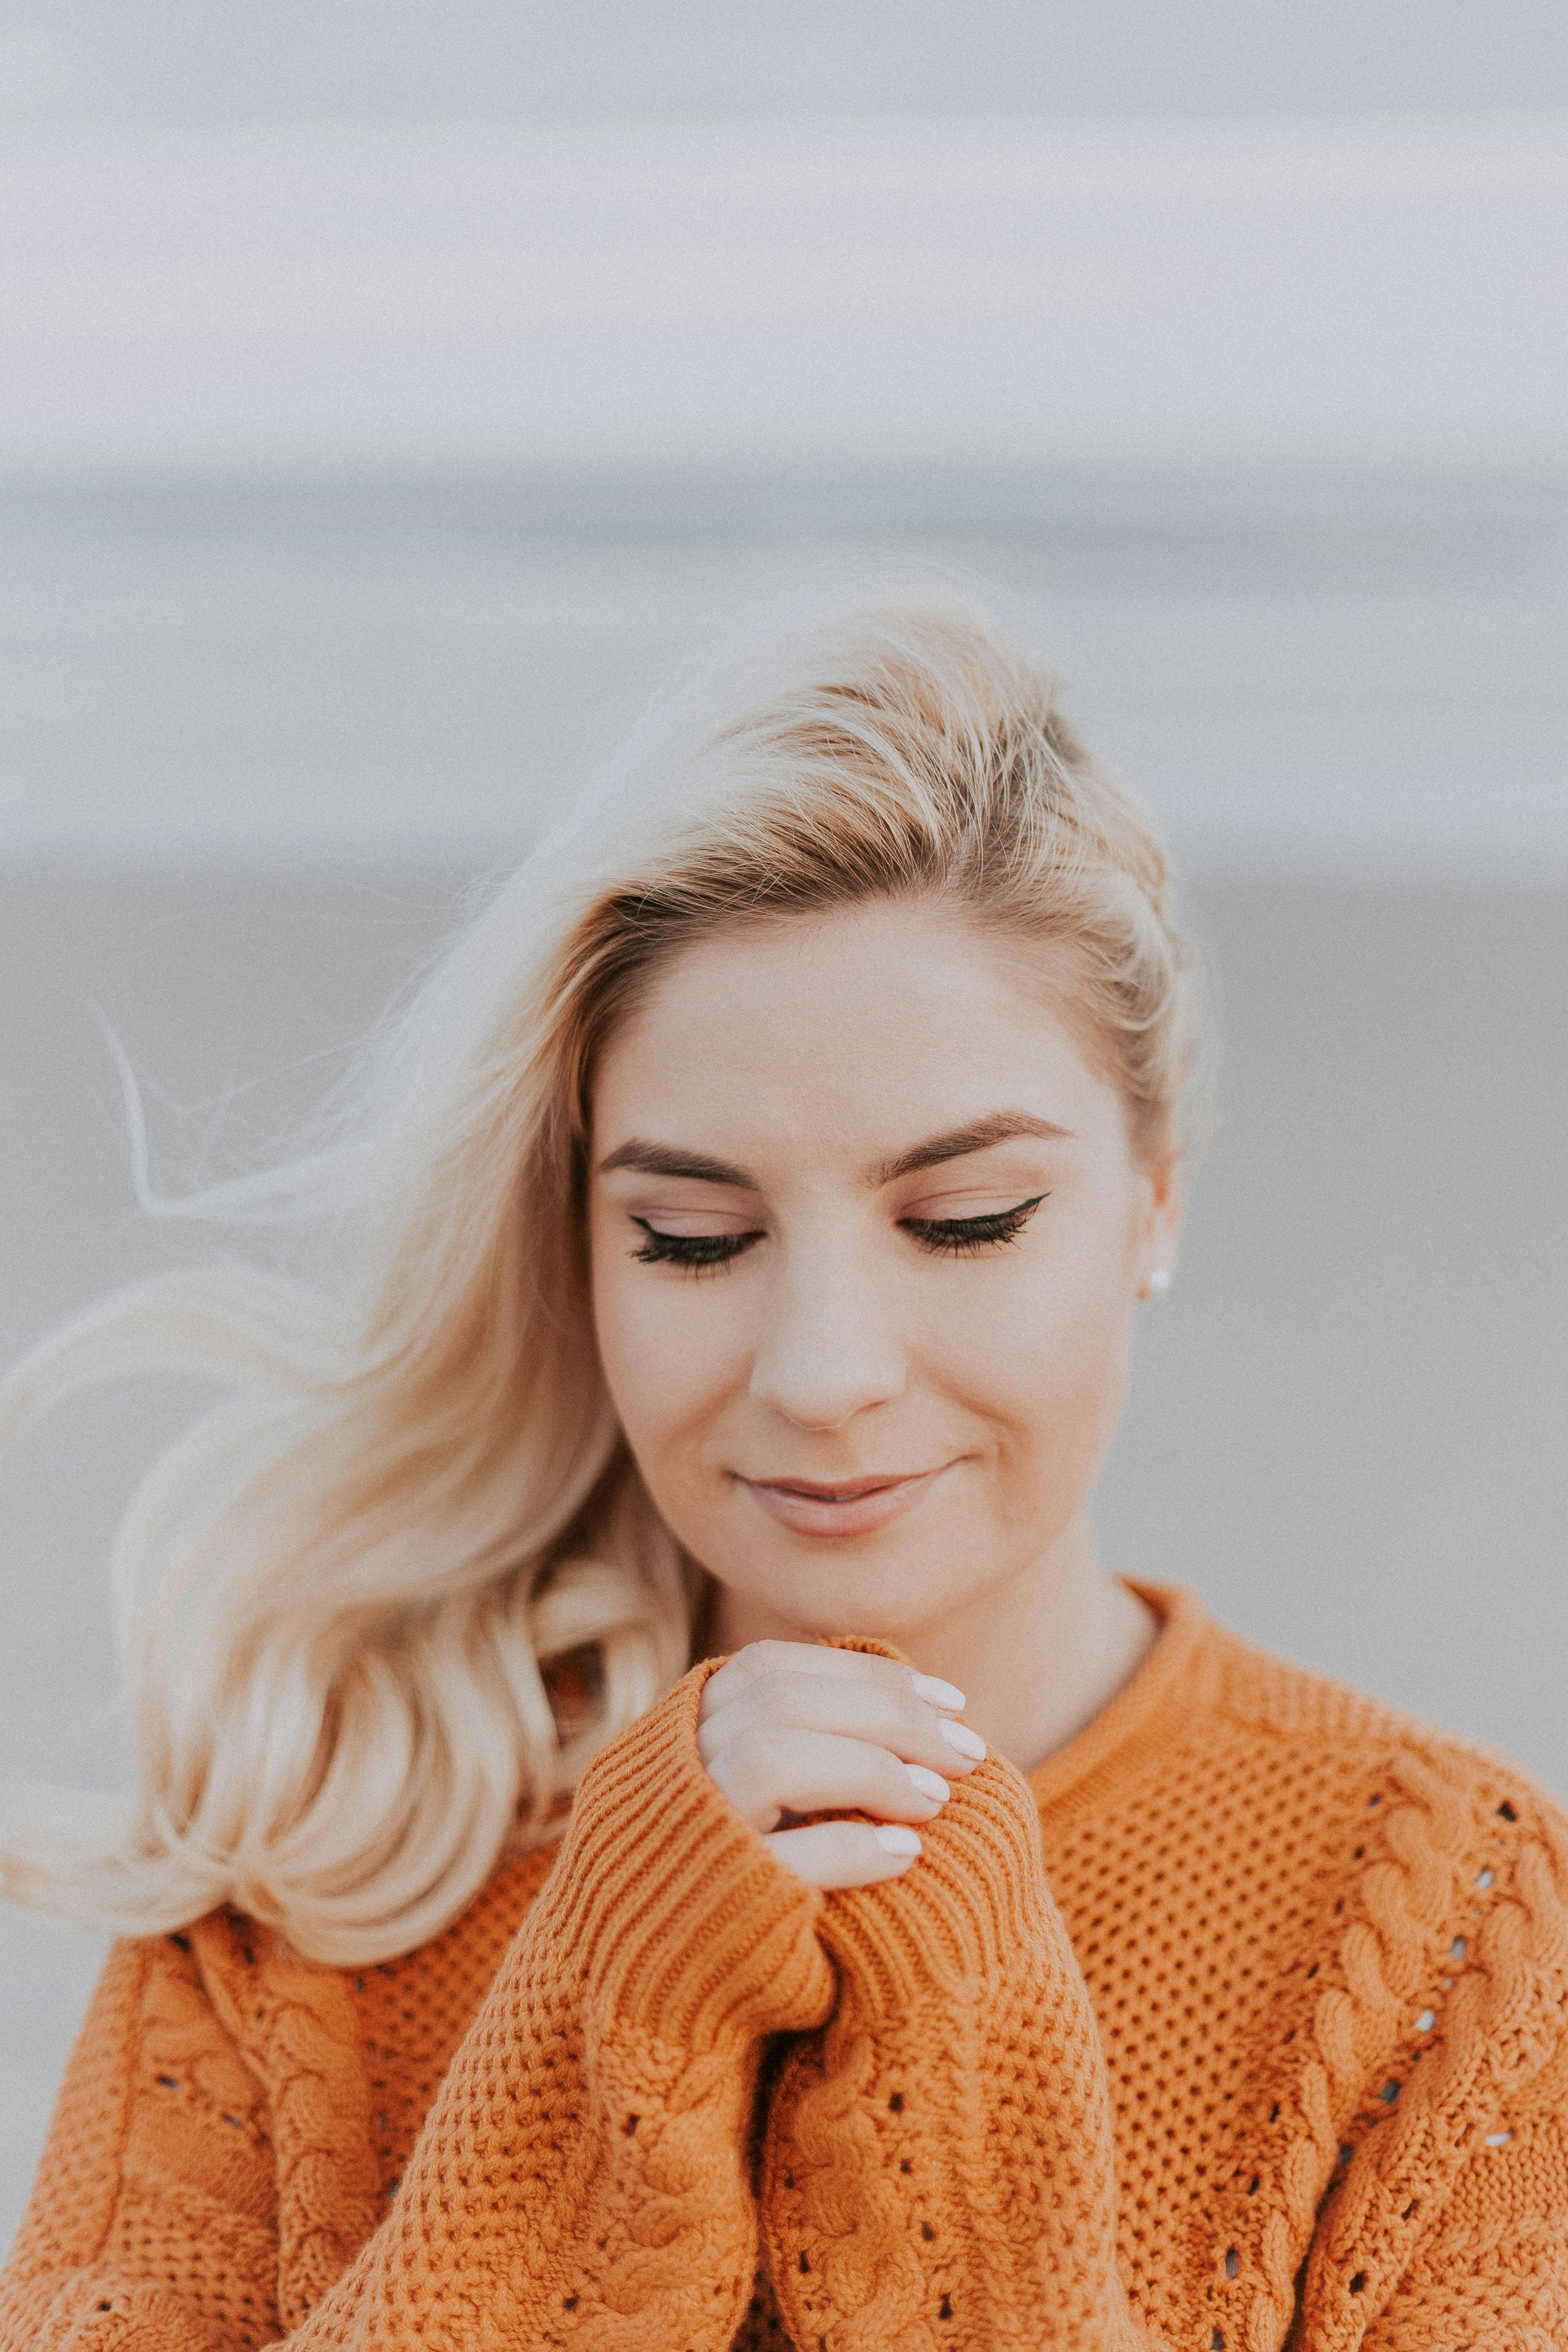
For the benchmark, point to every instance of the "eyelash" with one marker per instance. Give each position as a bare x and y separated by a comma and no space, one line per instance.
966,1236
941,1237
698,1252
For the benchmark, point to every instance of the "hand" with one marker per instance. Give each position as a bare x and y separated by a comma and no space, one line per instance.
789,1727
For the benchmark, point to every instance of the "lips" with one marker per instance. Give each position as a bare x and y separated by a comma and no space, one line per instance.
844,1507
848,1490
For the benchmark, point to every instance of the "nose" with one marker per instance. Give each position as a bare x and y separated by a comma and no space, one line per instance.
828,1348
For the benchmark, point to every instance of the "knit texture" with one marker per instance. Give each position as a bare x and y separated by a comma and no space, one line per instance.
1243,2025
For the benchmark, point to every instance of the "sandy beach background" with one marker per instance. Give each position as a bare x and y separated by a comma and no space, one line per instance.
262,741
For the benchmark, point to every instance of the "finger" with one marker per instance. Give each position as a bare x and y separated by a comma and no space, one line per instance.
844,1854
886,1717
768,1770
761,1658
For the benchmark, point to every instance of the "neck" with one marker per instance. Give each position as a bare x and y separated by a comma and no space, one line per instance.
1038,1658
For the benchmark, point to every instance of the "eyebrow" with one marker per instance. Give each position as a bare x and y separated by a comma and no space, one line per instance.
1001,1126
664,1159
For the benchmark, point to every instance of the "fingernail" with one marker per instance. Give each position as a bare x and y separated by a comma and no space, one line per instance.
967,1742
929,1784
894,1840
936,1693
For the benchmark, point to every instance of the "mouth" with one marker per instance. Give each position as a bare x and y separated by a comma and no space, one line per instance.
841,1507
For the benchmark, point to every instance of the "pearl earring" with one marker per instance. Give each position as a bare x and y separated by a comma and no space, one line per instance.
1156,1282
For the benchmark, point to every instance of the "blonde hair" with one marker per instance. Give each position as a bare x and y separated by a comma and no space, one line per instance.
344,1601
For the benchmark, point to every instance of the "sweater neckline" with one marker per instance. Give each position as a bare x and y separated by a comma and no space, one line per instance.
1150,1707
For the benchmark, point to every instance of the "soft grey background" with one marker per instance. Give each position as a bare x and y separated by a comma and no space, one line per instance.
175,64
387,399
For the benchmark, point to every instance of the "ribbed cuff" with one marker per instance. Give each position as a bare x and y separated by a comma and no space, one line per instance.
679,1918
963,1913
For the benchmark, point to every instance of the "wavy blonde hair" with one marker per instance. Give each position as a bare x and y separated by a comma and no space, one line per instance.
345,1599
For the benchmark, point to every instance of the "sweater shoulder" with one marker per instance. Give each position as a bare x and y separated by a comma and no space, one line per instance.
1298,1718
1447,1853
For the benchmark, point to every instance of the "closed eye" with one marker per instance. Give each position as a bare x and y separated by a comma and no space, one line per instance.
698,1252
941,1237
967,1236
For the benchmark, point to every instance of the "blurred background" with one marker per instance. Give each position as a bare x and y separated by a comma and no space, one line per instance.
389,396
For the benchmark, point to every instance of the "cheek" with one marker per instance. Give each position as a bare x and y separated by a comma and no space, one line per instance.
627,1339
1044,1356
667,1347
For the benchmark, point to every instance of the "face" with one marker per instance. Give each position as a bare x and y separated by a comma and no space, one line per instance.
866,1237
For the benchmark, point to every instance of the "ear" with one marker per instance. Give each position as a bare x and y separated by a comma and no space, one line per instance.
1159,1233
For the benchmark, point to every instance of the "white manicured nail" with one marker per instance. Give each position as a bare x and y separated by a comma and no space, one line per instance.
936,1693
967,1742
929,1784
894,1840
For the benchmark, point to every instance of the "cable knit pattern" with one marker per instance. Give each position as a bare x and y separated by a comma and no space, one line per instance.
582,2176
941,2163
1241,2027
295,2027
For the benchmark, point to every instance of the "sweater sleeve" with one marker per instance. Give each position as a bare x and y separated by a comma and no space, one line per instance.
1492,2276
154,2202
938,2164
1451,2221
582,2177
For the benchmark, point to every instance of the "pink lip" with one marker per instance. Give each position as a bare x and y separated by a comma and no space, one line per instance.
848,1507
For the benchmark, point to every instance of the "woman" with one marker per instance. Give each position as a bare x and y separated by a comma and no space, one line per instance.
971,1948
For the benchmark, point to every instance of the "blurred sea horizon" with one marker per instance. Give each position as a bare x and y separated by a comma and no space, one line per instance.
1304,670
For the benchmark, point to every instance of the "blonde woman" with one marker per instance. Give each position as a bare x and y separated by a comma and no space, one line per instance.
654,1828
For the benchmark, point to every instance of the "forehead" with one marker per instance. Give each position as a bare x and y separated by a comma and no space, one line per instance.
868,1026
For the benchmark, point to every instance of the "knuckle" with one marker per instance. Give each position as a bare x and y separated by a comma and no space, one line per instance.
785,1694
843,1840
832,1844
756,1679
752,1769
731,1777
887,1716
765,1660
739,1672
923,1722
754,1748
890,1777
915,1717
720,1689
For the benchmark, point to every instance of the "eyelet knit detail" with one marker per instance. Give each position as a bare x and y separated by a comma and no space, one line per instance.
295,2027
1500,2023
1245,2022
1355,2163
926,2189
581,2178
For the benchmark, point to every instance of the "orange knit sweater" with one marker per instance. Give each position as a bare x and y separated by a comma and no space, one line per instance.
1243,2025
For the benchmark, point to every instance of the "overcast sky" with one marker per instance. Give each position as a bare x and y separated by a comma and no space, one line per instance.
361,231
1393,292
221,64
380,236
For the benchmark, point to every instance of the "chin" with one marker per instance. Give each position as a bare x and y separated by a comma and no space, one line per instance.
844,1595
